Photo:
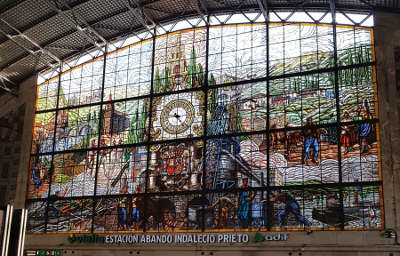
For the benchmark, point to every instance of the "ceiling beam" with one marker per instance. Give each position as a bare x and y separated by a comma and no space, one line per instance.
137,10
202,9
47,17
76,24
263,5
53,40
29,51
22,35
4,87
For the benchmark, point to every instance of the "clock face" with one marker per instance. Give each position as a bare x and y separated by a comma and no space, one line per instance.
177,116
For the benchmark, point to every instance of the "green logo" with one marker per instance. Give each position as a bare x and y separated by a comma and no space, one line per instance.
258,238
91,239
71,238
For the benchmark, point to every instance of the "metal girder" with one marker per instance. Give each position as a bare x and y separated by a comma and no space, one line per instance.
47,17
58,37
134,7
4,86
366,2
203,5
202,9
332,6
74,22
29,51
263,5
22,35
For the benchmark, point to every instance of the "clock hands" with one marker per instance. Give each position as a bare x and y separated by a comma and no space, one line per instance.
177,116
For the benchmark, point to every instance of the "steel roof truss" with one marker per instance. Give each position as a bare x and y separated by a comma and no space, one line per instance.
82,30
22,35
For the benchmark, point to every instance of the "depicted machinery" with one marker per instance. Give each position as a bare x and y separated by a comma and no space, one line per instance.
223,159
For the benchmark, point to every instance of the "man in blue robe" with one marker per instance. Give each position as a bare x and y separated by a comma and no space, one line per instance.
243,204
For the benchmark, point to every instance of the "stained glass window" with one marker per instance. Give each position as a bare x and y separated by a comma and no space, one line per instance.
241,124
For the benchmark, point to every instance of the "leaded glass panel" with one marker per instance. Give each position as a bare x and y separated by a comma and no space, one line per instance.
248,126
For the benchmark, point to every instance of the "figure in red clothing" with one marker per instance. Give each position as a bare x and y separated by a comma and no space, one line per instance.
347,135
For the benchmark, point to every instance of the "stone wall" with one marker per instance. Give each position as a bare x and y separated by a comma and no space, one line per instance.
11,126
16,121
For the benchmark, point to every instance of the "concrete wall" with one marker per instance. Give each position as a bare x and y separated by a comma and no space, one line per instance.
387,37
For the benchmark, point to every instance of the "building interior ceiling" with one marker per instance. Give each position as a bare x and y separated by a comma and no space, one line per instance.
37,35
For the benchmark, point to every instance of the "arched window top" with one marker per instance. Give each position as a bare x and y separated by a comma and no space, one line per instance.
316,17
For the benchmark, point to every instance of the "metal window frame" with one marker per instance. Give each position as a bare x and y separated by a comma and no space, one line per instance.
340,185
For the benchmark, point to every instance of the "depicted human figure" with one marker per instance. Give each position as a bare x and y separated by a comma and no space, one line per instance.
370,217
310,140
291,206
114,153
135,211
90,157
223,204
243,204
365,128
134,161
169,223
35,176
347,136
103,156
122,214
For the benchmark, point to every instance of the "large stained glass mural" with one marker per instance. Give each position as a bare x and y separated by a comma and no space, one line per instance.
258,126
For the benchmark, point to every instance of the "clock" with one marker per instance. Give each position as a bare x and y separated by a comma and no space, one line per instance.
177,116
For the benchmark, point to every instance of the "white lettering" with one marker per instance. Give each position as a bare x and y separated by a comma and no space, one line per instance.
212,239
199,238
169,239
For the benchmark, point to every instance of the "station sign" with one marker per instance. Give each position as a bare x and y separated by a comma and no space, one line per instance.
180,238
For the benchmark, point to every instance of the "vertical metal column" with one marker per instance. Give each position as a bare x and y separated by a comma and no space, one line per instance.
100,126
205,131
150,115
268,205
338,128
50,174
